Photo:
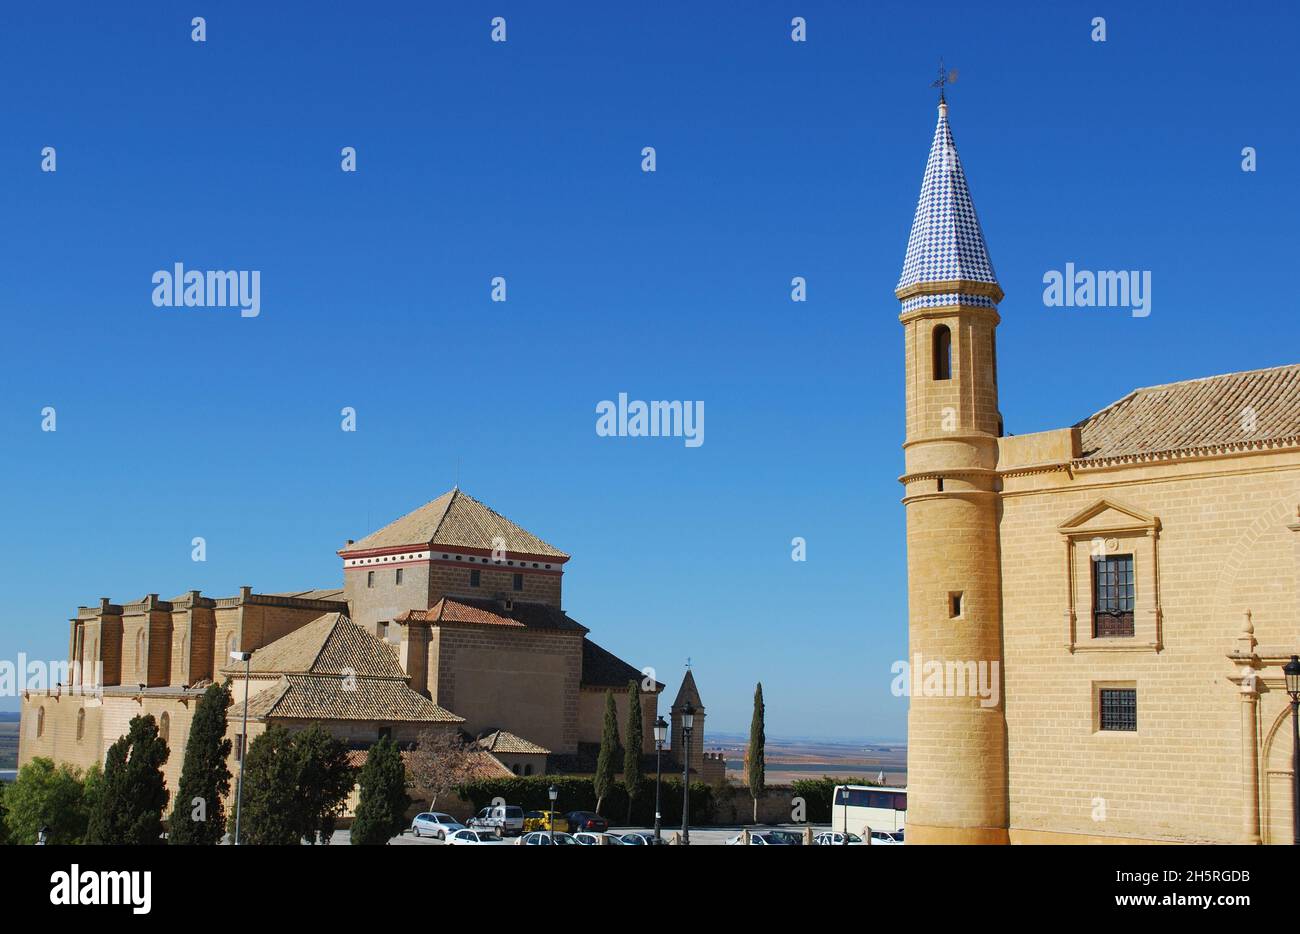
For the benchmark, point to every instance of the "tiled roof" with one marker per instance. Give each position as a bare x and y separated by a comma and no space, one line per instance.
688,692
1256,407
503,741
601,668
329,645
456,519
490,612
330,593
482,764
946,243
324,697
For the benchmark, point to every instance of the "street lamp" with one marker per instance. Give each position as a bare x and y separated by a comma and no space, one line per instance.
661,733
552,793
41,838
247,659
1292,672
688,724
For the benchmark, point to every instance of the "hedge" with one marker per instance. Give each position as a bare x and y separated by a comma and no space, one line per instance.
817,793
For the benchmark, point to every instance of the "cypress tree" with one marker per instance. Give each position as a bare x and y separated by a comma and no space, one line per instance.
755,773
129,808
198,814
270,814
324,781
381,811
632,747
604,778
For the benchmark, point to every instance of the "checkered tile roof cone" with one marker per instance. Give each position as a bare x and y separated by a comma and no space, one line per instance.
947,243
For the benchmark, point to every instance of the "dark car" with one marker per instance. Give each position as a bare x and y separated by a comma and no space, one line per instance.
587,820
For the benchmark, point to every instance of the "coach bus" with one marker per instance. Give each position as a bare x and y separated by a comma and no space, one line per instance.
856,807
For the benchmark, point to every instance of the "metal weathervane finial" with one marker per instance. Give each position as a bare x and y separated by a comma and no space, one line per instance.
945,78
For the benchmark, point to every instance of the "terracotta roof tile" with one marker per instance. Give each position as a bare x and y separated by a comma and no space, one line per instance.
503,741
489,612
601,668
455,519
329,645
317,697
1234,410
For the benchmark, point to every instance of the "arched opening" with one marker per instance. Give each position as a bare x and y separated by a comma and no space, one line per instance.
165,726
40,722
81,724
942,344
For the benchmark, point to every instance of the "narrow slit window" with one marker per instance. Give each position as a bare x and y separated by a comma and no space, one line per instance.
942,352
954,605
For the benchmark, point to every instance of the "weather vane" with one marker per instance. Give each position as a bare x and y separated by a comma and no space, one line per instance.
945,78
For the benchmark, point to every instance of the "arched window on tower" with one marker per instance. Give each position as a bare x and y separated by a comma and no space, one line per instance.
942,343
165,726
140,666
81,724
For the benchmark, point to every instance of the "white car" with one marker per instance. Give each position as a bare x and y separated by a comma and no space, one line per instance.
474,838
435,824
545,838
762,838
835,838
640,838
590,838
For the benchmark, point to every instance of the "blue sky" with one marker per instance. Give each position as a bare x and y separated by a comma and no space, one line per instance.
479,159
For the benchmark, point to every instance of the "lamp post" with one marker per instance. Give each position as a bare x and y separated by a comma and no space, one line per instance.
552,793
41,837
688,723
247,659
661,732
1292,672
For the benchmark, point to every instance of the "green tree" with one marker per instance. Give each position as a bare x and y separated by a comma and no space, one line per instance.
635,736
604,779
49,796
130,808
269,814
755,755
381,810
4,828
198,815
324,781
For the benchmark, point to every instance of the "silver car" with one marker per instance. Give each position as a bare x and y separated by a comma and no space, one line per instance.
434,824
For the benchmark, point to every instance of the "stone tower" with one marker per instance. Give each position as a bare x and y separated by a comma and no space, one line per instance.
688,693
957,739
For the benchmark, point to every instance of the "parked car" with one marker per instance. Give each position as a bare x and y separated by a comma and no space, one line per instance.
435,824
640,838
474,838
545,838
829,838
763,838
506,819
542,820
591,838
587,820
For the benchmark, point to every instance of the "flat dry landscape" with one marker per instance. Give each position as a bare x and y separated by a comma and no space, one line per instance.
790,760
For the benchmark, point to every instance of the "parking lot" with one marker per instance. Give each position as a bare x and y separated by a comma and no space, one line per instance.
700,836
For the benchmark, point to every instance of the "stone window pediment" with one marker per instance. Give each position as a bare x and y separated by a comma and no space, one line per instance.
1104,530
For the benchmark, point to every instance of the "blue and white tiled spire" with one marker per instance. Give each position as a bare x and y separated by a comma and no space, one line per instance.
947,244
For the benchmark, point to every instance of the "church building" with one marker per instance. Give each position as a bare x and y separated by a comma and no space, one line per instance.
450,619
1127,585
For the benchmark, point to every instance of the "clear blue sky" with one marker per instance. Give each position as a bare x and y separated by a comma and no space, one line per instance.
476,159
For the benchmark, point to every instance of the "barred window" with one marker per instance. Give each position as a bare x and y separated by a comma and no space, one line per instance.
1112,596
1118,709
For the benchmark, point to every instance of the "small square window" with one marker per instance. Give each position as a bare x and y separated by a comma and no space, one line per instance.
474,577
519,582
1118,709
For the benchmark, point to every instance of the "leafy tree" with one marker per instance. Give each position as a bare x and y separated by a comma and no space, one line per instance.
4,829
129,810
632,749
755,755
269,814
198,816
604,779
49,796
440,763
381,810
325,779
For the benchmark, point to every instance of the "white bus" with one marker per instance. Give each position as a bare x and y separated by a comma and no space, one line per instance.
856,807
